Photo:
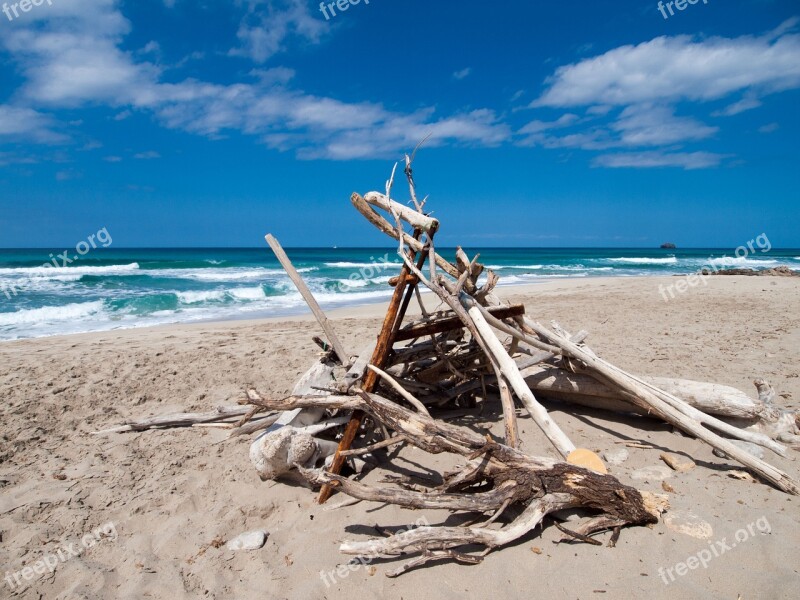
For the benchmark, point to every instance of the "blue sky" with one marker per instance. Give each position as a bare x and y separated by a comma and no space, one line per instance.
569,123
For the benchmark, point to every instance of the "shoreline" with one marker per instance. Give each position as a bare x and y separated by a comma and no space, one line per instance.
376,309
370,308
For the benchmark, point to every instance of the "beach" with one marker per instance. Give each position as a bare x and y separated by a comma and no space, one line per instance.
173,496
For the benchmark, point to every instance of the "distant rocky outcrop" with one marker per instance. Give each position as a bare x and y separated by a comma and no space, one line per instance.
772,272
668,246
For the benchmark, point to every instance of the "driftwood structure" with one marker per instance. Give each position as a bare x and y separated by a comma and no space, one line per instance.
416,371
405,386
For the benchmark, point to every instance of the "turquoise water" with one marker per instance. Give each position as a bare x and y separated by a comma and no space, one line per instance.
118,288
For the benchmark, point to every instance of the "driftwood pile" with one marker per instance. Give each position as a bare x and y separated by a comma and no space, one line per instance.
406,386
403,389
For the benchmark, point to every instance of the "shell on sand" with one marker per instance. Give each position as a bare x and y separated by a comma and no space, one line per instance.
678,462
688,523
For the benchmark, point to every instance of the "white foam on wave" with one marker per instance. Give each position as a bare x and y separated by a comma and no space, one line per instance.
215,296
216,275
552,268
254,293
71,272
198,297
501,267
355,265
741,261
352,283
50,314
670,260
518,279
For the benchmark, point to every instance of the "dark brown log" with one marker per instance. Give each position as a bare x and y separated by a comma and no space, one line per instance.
383,347
442,325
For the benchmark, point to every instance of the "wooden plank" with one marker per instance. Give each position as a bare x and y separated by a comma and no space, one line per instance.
344,357
383,347
356,372
449,323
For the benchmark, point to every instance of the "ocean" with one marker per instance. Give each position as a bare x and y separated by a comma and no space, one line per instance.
111,288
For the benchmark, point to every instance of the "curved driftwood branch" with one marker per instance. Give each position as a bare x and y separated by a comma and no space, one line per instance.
417,220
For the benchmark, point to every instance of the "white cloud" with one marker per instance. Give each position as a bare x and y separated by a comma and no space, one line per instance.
150,154
539,126
462,74
678,68
269,23
769,128
749,102
649,125
640,125
631,95
17,123
75,60
685,160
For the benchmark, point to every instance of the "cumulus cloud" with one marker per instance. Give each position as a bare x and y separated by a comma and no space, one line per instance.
75,59
268,25
679,68
631,95
19,123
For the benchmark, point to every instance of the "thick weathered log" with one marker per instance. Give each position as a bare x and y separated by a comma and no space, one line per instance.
480,502
733,405
417,220
383,225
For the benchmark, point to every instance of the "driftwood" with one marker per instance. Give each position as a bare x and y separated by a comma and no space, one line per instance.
675,411
289,442
731,404
541,485
223,414
298,281
405,386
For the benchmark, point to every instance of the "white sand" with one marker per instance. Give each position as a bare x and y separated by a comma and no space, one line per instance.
170,494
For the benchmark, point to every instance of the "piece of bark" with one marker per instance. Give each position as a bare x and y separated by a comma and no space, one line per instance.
678,462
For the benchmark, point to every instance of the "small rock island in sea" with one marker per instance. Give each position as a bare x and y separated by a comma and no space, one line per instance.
668,246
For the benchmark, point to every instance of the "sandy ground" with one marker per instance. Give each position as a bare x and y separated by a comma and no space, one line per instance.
164,497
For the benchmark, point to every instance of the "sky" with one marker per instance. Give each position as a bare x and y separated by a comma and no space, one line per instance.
548,123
